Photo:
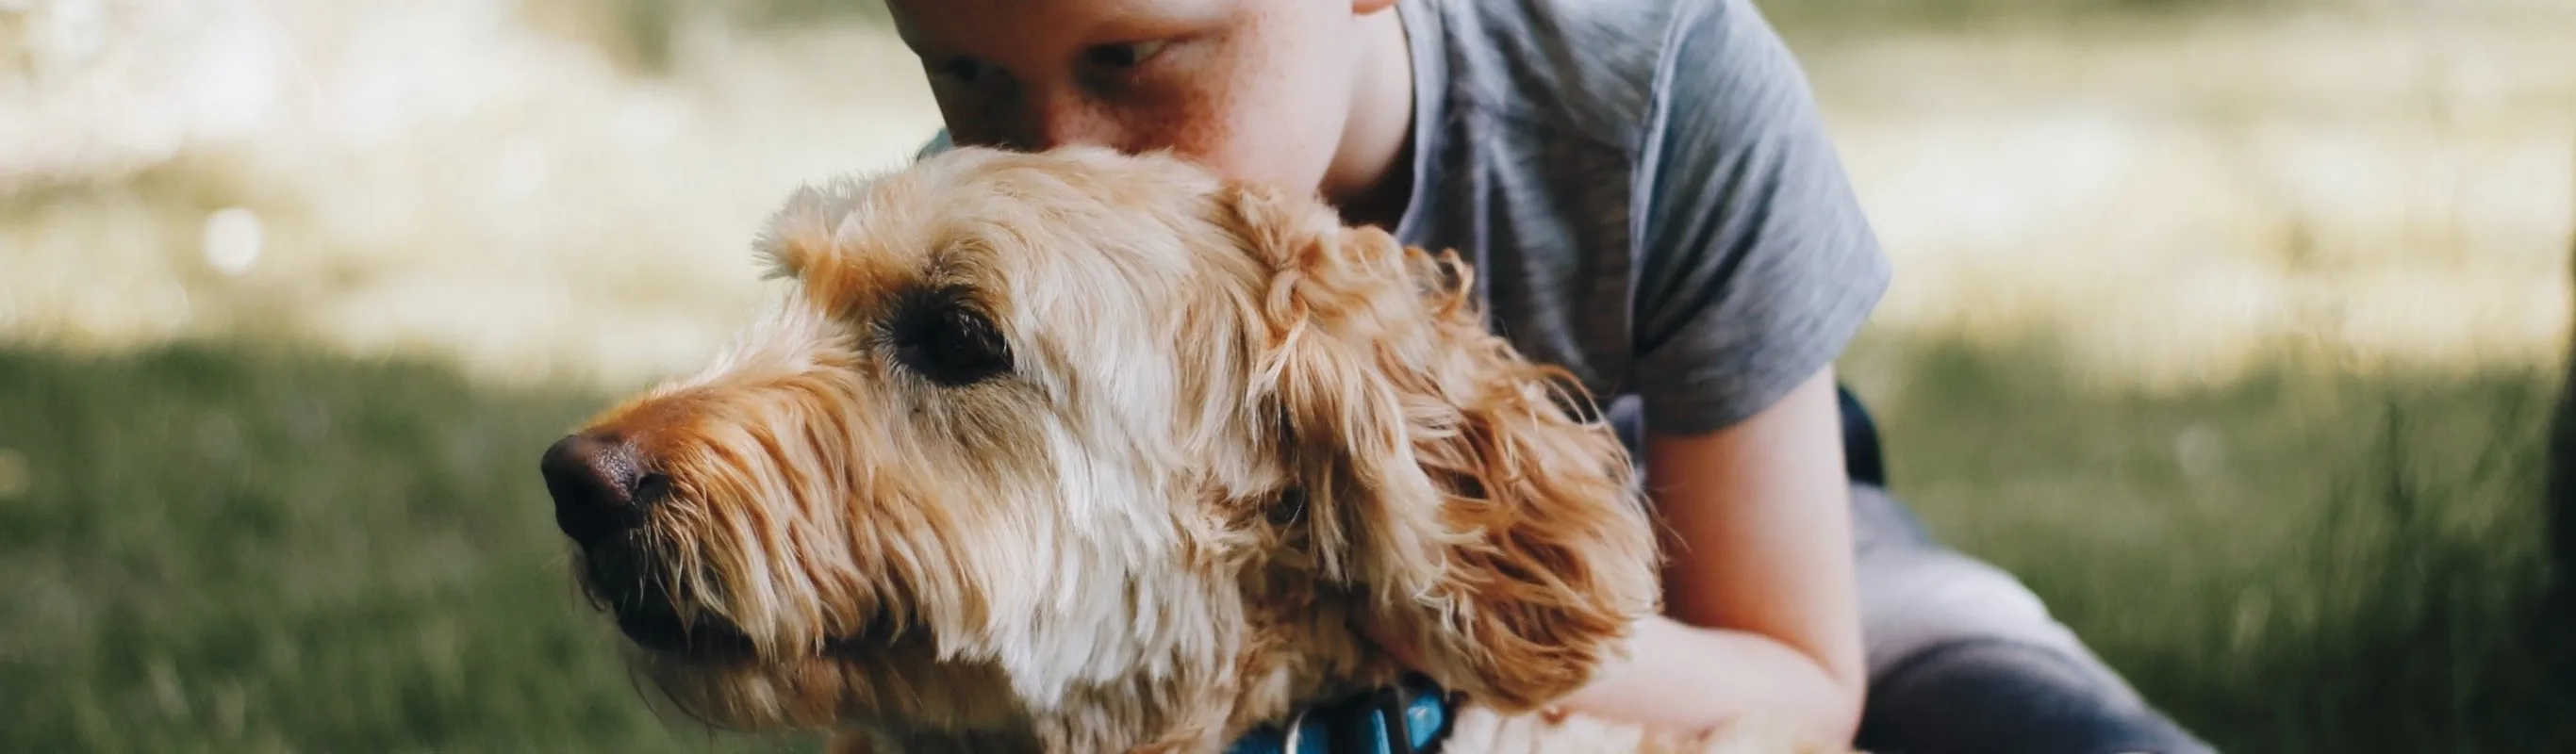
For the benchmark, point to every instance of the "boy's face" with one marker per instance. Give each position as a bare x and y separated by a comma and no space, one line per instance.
1257,89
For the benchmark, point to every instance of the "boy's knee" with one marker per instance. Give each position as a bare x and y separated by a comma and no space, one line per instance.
2003,697
1964,657
1917,600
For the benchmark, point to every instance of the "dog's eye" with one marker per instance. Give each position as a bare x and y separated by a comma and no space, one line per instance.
944,338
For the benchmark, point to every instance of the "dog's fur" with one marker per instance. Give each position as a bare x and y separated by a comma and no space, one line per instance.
1226,438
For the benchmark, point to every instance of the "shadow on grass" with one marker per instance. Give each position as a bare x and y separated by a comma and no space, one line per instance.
241,547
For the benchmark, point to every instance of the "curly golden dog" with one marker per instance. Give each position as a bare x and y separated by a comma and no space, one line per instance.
1081,452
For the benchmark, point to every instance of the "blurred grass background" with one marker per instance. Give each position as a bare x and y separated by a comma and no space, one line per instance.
2233,328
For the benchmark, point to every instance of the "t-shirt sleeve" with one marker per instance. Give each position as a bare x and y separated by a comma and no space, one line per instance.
1758,266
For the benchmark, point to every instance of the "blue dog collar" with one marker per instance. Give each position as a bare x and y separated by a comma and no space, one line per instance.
1397,720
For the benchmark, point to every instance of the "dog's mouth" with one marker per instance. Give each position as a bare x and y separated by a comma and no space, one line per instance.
660,629
650,617
617,578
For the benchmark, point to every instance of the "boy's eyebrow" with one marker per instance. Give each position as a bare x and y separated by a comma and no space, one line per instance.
1123,21
1164,12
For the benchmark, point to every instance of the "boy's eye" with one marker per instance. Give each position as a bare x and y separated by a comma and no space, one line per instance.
963,70
1124,55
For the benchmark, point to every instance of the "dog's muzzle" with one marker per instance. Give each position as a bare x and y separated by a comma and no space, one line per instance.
604,488
601,485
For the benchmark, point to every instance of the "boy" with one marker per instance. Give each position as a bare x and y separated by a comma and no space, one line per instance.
1651,202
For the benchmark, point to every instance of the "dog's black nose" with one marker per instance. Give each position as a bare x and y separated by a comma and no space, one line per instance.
599,484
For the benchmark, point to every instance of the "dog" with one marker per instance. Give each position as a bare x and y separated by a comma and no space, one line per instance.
1076,451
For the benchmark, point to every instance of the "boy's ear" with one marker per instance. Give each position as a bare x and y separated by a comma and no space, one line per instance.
1503,538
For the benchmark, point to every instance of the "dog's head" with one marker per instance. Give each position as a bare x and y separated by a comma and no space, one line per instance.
1104,450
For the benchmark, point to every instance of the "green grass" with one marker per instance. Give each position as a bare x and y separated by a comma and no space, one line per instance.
2311,560
230,547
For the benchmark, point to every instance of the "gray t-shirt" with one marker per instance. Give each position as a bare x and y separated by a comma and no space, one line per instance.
1647,192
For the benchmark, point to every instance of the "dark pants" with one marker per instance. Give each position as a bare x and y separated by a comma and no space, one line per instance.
1962,657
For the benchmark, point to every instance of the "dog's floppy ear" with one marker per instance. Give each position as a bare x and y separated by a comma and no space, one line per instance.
1500,535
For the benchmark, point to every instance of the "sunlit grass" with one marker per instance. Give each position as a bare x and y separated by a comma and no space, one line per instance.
2172,194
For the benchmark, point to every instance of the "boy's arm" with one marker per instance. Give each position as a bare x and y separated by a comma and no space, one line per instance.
1759,268
1763,617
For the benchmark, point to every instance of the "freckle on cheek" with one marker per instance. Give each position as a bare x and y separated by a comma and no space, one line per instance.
1201,128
